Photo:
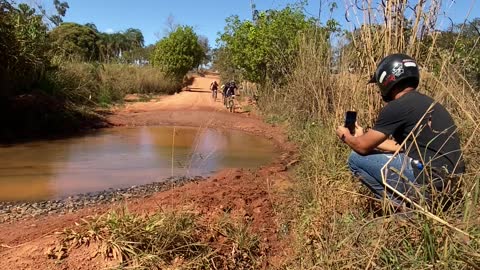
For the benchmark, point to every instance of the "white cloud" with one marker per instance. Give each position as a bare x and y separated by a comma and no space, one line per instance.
109,31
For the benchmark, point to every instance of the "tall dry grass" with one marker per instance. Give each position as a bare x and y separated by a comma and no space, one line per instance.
337,224
102,84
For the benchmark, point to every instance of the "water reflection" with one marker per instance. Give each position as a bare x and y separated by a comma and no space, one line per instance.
123,157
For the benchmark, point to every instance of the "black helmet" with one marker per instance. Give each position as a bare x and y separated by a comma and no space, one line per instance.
394,69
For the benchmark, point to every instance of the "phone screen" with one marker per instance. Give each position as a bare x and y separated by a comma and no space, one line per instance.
350,119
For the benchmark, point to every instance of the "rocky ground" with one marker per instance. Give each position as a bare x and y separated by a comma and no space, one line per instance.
13,211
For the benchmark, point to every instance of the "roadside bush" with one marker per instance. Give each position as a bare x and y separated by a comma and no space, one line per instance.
164,240
142,242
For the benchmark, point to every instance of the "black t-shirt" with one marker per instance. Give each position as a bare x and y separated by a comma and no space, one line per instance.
437,141
231,89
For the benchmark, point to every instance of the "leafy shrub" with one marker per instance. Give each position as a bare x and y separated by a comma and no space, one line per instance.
179,52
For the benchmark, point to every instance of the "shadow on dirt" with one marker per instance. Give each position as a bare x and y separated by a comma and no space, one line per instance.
198,90
39,116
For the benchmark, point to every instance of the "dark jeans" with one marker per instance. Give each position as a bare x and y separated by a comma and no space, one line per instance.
399,175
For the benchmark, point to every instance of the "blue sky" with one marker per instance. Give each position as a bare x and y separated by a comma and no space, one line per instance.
206,16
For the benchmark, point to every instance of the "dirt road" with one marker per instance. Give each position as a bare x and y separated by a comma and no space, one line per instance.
197,97
193,107
246,193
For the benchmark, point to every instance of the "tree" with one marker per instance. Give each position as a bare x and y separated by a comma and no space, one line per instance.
265,48
464,48
134,38
203,41
140,55
75,42
460,44
221,61
170,25
60,7
23,47
92,26
179,52
120,45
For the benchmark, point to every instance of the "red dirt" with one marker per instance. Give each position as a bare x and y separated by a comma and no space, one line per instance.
247,194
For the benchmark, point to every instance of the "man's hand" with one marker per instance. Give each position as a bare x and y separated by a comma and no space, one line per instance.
362,143
342,132
358,130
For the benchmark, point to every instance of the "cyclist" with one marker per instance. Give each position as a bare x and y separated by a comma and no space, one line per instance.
224,92
214,88
225,88
231,89
229,94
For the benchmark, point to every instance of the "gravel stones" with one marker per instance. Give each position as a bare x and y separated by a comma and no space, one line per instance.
12,211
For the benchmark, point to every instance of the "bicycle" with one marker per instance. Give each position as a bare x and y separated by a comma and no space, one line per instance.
230,104
224,99
214,95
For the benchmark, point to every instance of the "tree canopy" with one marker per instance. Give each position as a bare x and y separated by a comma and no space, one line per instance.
75,41
265,47
462,43
85,42
179,52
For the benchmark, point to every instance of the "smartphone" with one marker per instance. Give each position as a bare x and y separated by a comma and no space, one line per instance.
350,120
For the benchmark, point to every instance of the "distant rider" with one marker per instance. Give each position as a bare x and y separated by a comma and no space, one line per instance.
214,86
225,88
231,89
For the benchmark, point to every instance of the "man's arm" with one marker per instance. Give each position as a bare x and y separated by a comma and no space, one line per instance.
390,119
389,146
364,143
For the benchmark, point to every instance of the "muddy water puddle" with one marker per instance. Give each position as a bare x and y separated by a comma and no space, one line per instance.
122,157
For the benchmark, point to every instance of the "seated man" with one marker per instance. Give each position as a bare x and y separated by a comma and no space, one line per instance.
431,156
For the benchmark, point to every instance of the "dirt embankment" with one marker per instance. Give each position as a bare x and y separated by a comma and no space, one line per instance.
248,194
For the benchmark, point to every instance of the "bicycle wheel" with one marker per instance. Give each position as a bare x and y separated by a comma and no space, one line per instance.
231,105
